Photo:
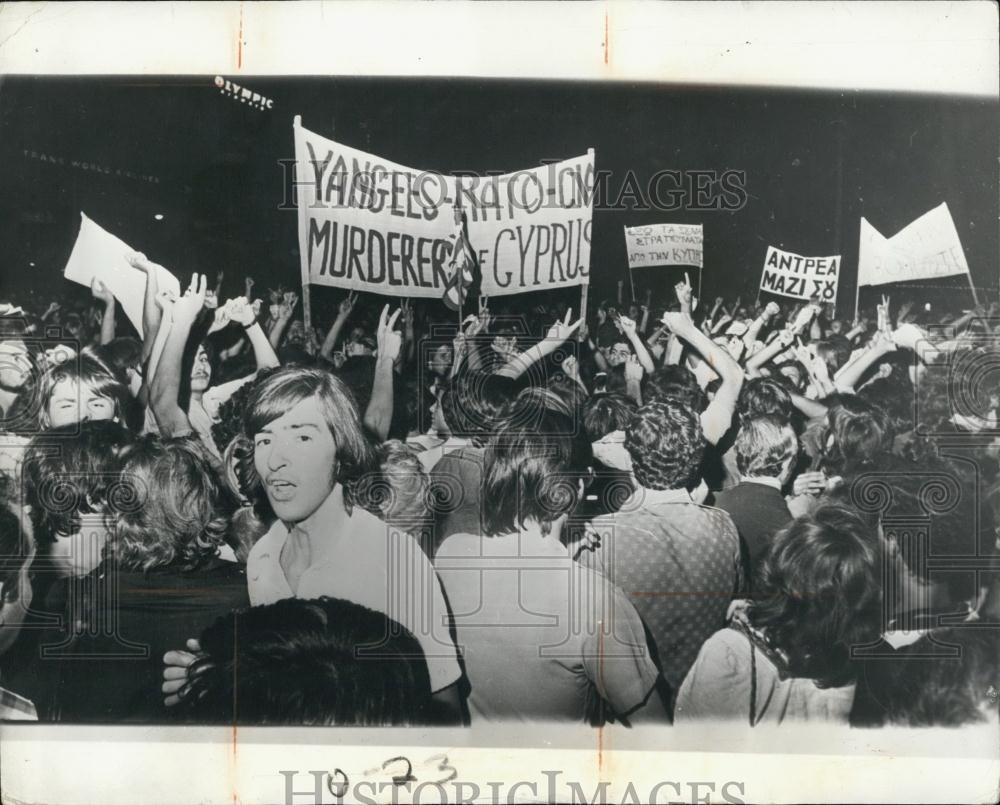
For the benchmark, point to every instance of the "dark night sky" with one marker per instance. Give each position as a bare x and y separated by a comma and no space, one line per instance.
814,162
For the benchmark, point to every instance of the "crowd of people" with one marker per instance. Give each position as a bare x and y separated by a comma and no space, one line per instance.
660,513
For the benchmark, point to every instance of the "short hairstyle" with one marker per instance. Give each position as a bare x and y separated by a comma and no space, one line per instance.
473,403
72,470
666,444
179,509
821,593
86,369
318,662
861,434
835,351
762,396
398,491
606,413
675,382
281,391
532,472
764,445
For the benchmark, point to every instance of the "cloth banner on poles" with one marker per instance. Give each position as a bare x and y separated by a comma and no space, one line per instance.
664,245
369,224
928,248
100,254
789,274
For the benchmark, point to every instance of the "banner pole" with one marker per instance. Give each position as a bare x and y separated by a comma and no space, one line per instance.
857,296
631,282
583,302
699,285
304,260
975,297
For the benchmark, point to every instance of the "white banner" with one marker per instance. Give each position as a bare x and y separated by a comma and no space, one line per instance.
928,248
369,224
100,254
664,245
798,277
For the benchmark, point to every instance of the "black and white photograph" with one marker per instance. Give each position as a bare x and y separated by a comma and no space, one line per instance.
499,410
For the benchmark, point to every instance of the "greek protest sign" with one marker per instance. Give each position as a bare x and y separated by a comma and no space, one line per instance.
788,274
664,245
100,254
369,224
928,248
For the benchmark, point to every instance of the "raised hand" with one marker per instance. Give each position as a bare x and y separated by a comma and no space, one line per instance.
684,292
187,308
883,314
241,311
809,483
140,261
676,321
772,310
347,305
389,340
289,300
223,316
562,330
633,369
626,326
248,284
805,316
570,366
100,291
165,299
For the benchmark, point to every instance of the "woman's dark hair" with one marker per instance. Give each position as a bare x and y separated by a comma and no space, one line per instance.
318,662
532,469
763,396
820,593
178,510
606,413
229,423
944,679
677,383
666,444
474,402
861,435
121,353
281,391
73,470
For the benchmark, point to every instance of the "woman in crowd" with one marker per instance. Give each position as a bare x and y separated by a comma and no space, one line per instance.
787,655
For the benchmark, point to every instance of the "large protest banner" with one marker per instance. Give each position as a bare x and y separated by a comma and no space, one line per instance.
664,245
928,248
369,224
100,254
789,274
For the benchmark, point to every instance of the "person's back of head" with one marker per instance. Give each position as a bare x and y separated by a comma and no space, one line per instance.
177,509
473,404
894,396
310,662
674,382
70,471
607,413
820,593
766,446
533,469
763,396
857,435
666,444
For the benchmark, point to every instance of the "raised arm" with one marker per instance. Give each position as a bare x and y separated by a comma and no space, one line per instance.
285,309
378,414
166,382
102,294
555,336
343,313
627,327
780,343
851,373
151,310
718,417
245,314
